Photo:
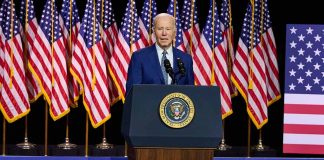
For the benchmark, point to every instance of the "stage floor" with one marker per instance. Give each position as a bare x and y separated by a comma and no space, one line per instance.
125,158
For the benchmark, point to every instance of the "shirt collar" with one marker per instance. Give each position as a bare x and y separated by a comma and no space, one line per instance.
160,50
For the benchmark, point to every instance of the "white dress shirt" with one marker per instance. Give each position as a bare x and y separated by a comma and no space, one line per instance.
169,57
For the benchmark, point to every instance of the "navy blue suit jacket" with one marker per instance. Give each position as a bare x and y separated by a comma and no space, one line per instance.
144,68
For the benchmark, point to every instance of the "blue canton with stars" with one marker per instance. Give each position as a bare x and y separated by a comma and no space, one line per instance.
65,12
107,13
207,31
129,18
170,11
225,13
31,12
6,20
304,70
87,27
145,14
186,14
46,22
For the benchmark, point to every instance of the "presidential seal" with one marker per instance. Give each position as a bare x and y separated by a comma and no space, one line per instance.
177,110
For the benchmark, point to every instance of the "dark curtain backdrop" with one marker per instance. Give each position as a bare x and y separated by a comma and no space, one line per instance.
282,13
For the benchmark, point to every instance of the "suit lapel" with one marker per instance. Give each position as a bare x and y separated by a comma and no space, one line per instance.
175,56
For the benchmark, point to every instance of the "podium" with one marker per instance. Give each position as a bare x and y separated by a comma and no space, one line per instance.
173,122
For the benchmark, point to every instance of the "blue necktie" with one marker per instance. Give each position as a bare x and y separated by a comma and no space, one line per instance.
165,74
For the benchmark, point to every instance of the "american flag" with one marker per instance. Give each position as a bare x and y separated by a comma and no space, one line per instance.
227,29
90,69
14,97
190,26
125,46
219,59
48,61
173,10
249,70
28,20
191,38
304,90
70,23
148,13
109,34
269,45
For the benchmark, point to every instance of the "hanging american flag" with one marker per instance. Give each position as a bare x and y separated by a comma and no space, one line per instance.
227,29
190,26
304,90
202,56
109,34
191,38
14,97
90,69
249,70
48,61
219,60
128,41
70,22
269,45
148,13
28,20
173,10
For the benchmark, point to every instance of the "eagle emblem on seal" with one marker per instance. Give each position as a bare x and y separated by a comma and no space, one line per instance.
177,110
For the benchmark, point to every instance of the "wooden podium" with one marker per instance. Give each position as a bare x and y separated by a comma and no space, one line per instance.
149,137
169,154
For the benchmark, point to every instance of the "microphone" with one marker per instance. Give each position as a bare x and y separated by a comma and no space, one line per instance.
168,68
181,67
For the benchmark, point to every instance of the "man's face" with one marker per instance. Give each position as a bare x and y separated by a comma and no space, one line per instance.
165,31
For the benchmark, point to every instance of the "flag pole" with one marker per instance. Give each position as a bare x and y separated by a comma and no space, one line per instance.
223,146
104,144
93,77
175,17
130,44
250,81
67,145
150,24
4,137
26,144
46,129
260,146
132,27
86,135
191,24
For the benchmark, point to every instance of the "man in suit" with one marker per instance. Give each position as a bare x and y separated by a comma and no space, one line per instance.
147,65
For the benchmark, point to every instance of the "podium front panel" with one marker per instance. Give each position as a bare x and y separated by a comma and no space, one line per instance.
143,127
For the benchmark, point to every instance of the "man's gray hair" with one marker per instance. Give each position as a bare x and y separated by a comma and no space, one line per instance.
164,15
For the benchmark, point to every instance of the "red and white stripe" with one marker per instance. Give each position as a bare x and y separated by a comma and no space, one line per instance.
40,63
303,124
257,97
191,35
269,45
144,35
70,41
33,88
119,63
221,79
202,63
109,37
13,99
229,49
249,76
96,100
